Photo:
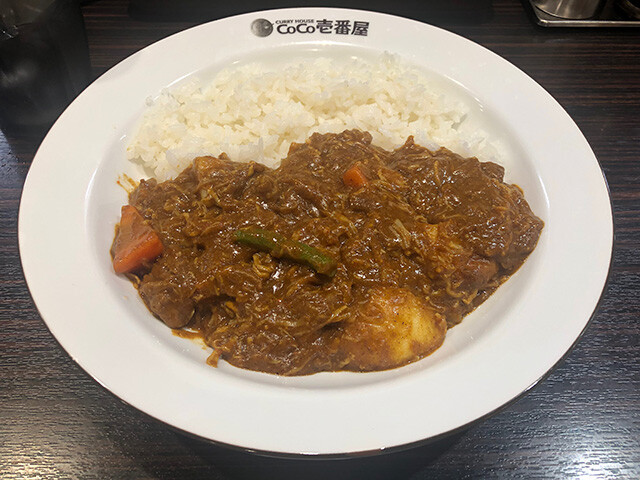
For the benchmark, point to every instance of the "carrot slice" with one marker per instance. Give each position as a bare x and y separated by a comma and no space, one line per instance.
136,243
354,177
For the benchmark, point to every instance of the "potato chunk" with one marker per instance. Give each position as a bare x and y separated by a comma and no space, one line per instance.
393,328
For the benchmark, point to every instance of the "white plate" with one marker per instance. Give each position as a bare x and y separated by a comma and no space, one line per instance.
71,202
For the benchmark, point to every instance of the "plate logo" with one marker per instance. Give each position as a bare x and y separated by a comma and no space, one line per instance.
262,27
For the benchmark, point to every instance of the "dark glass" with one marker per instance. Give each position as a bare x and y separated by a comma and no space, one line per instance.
44,63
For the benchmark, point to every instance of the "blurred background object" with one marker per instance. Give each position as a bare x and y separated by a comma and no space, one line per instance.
631,8
584,13
44,60
576,9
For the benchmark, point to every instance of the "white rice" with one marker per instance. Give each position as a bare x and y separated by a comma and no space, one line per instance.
255,111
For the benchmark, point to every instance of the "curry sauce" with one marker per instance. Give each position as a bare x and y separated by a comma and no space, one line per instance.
345,257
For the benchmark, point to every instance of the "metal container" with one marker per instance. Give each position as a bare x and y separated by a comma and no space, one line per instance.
573,9
631,8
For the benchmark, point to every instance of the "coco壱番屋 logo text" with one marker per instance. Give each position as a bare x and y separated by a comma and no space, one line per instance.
263,27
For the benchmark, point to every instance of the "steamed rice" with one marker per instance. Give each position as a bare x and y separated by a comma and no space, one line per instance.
254,112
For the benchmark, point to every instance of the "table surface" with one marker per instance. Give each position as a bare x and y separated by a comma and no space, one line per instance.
582,421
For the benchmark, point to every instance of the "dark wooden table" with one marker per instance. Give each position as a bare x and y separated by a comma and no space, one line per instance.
583,421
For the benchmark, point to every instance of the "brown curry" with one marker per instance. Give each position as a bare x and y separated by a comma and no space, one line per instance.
346,257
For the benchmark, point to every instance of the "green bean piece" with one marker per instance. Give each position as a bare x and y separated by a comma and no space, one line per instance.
278,246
